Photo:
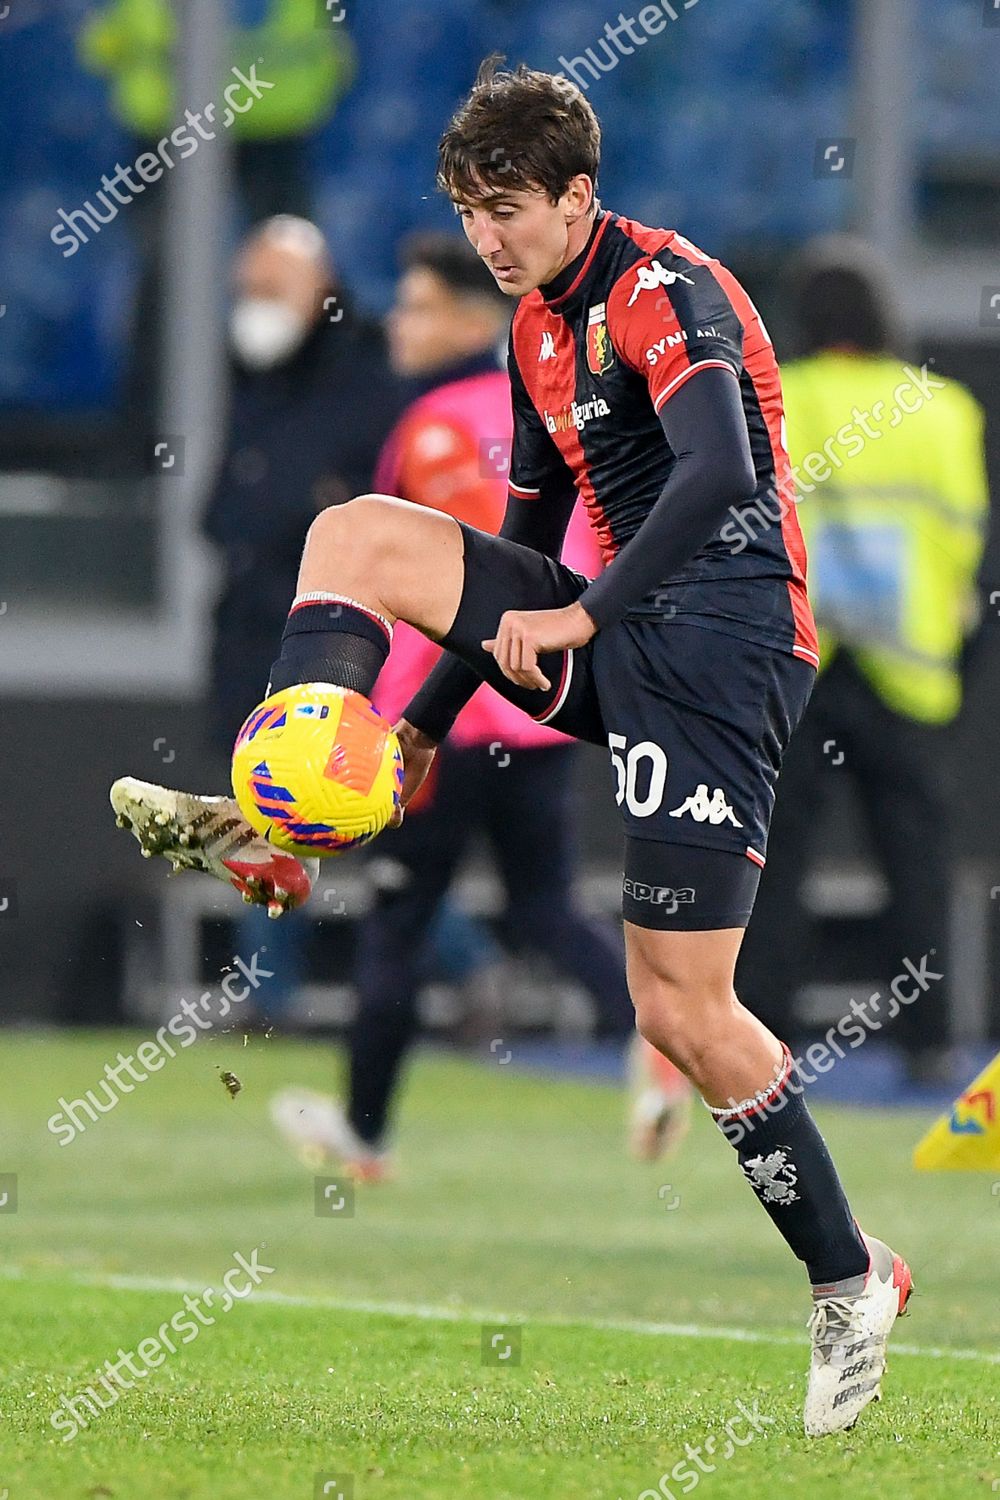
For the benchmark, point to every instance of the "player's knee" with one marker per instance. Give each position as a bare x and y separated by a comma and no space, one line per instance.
681,1019
358,529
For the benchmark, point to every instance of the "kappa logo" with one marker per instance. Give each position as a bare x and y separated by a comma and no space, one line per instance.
648,278
706,809
548,349
659,895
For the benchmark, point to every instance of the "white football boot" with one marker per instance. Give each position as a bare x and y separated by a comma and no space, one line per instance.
318,1131
212,835
850,1325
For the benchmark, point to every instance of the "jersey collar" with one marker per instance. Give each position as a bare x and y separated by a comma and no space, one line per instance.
561,287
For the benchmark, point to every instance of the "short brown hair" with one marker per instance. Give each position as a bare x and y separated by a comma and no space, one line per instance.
518,128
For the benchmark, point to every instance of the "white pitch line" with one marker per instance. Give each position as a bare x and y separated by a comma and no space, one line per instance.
431,1313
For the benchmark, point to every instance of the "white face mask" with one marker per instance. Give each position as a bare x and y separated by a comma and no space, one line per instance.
264,332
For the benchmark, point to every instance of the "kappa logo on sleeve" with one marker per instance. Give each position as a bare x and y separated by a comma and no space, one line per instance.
648,278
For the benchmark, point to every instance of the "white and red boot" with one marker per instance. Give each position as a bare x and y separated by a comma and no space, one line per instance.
211,834
850,1325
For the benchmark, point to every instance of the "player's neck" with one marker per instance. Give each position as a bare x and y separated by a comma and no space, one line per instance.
577,243
578,238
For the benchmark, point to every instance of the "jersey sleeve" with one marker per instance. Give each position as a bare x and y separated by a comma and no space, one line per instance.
668,318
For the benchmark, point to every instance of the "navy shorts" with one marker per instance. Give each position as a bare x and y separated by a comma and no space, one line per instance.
696,722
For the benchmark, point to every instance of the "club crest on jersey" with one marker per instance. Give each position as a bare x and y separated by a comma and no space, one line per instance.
600,354
648,278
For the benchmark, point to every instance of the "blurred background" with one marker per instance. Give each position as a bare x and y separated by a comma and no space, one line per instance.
753,126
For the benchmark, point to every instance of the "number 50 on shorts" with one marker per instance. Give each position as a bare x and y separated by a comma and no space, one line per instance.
631,772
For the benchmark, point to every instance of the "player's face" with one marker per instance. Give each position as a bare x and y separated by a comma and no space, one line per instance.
524,238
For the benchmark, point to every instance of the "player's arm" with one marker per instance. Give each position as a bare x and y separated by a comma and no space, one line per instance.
705,425
688,347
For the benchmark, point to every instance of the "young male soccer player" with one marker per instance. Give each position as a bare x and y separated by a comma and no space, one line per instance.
444,329
644,381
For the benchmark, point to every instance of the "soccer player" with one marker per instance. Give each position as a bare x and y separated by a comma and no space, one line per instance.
444,332
643,381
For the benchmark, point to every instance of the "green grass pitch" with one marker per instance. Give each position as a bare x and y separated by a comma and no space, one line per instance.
639,1305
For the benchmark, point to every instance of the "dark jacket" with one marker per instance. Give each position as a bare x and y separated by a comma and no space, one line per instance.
301,436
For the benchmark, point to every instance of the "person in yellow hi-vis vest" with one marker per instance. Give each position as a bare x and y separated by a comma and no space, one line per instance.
303,66
892,501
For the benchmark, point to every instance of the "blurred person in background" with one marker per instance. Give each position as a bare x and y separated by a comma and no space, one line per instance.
300,68
499,774
312,400
281,42
893,512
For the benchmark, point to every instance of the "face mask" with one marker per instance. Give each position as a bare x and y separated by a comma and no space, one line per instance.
264,332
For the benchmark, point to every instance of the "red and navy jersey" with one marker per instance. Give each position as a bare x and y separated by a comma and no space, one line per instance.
593,357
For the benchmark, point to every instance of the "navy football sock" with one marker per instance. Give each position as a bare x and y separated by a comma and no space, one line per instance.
330,638
785,1160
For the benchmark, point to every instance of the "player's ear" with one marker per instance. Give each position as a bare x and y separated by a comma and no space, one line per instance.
578,197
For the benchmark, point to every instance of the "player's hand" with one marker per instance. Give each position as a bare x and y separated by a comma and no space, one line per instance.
418,752
524,635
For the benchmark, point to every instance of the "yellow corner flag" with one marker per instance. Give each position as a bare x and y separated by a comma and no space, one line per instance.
967,1139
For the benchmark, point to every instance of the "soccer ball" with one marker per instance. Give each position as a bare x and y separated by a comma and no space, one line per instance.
317,770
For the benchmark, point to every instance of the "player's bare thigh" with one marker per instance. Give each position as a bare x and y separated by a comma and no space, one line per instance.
681,985
403,560
699,963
